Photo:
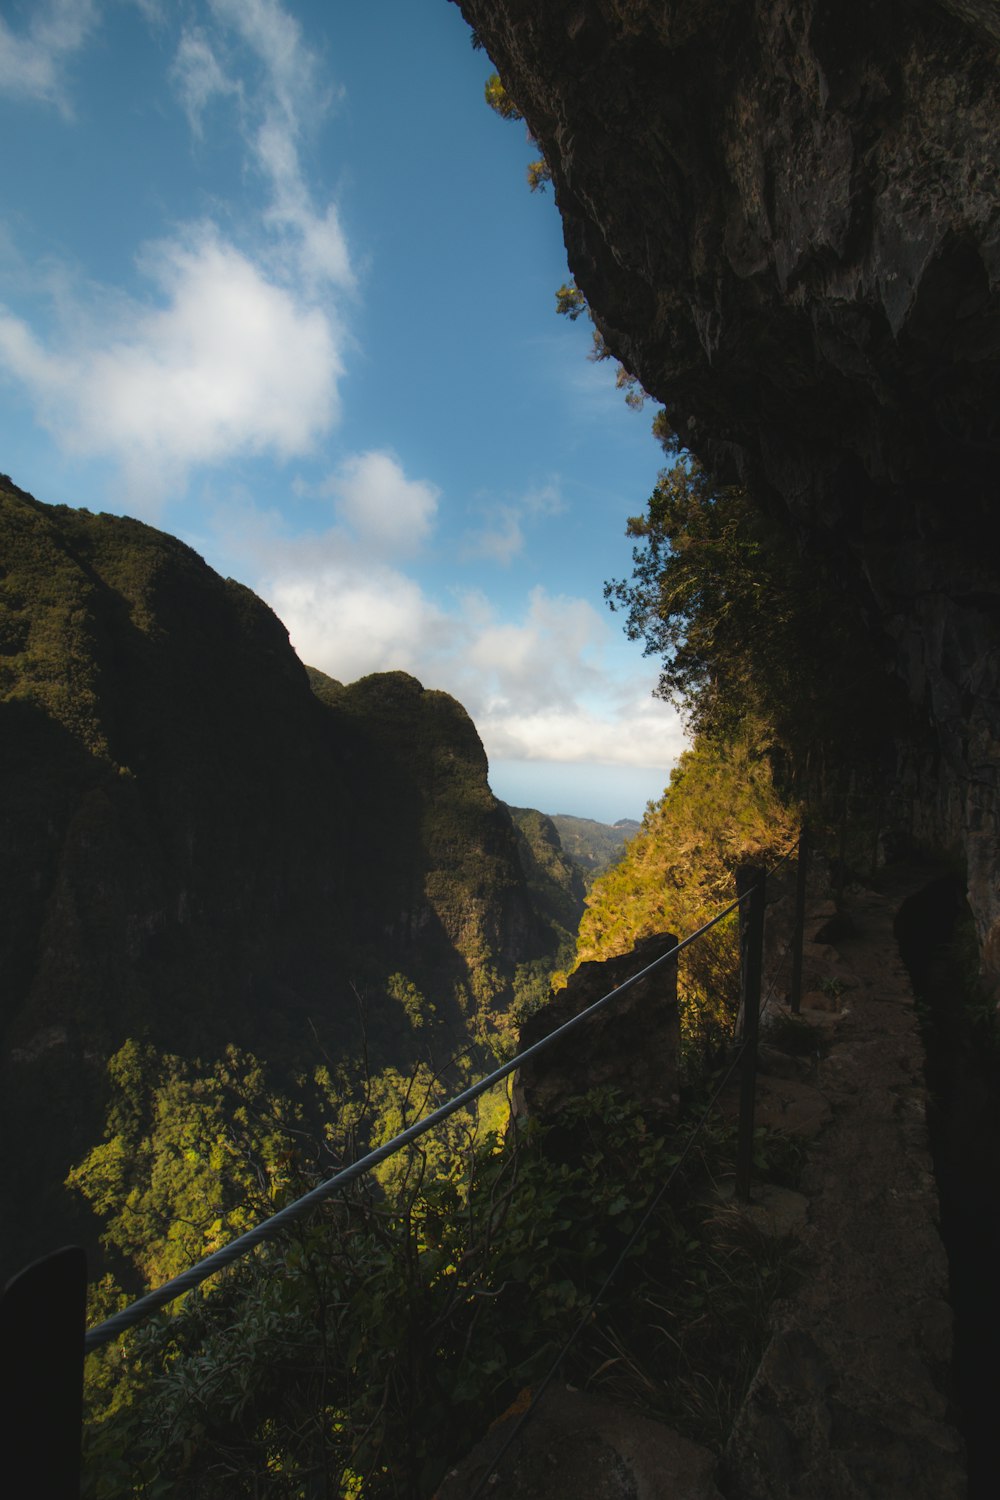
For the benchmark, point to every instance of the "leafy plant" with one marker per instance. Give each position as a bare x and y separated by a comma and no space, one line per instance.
375,1342
720,810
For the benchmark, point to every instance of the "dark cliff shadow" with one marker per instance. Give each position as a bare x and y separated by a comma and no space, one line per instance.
963,1079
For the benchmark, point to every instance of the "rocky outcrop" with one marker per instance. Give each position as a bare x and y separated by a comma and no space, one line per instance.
632,1043
786,221
578,1445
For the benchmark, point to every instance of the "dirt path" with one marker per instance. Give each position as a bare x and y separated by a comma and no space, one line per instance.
851,1401
852,1398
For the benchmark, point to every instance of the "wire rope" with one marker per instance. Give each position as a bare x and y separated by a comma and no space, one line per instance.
145,1306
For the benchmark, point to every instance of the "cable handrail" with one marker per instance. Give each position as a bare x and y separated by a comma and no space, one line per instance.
42,1309
538,1392
491,1472
103,1332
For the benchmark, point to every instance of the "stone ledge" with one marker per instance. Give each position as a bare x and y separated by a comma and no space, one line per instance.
851,1400
579,1447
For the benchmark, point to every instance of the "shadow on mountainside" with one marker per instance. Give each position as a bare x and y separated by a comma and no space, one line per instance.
963,1082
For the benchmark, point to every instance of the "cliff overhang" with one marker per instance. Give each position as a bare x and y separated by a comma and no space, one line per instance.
785,219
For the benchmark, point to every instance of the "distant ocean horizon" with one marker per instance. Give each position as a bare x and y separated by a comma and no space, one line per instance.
606,794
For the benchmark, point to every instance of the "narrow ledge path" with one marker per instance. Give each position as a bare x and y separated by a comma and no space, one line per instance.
852,1398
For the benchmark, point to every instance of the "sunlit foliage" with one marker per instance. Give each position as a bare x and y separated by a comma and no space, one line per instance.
498,99
371,1345
719,811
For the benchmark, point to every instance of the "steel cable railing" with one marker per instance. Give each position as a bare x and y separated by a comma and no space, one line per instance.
598,1297
491,1473
129,1316
44,1279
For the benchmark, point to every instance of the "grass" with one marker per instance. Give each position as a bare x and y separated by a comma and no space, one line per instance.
686,1349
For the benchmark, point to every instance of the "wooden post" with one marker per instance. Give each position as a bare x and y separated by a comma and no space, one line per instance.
800,920
42,1319
750,881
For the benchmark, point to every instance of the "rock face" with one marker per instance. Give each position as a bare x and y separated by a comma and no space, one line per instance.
633,1043
200,846
785,218
577,1445
853,1397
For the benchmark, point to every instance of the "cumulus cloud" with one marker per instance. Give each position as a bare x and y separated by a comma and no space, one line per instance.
349,620
387,513
540,663
546,685
32,62
225,363
576,735
237,350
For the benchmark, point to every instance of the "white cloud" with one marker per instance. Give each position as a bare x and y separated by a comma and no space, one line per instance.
284,93
543,662
350,619
503,537
499,542
318,244
228,363
199,77
576,735
276,39
32,64
544,500
238,349
540,687
388,514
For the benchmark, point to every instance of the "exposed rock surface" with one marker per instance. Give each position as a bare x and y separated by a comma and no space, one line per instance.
578,1447
633,1043
852,1398
785,217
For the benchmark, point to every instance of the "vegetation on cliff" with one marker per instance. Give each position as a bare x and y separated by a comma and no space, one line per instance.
720,810
208,847
594,846
748,631
371,1345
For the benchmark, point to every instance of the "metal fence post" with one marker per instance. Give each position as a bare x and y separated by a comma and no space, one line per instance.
42,1317
750,881
800,920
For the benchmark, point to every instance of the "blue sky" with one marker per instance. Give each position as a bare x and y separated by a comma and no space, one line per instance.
271,278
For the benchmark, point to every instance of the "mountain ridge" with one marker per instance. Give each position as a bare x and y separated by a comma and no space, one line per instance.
207,843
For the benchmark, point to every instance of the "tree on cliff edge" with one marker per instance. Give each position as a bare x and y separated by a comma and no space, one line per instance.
747,630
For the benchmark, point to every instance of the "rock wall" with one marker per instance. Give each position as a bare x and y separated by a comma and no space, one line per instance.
632,1044
784,215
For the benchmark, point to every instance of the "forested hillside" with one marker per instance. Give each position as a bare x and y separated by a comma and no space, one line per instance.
592,845
720,810
206,847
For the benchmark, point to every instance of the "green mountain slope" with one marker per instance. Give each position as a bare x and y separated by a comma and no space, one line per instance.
554,877
204,844
594,846
720,810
